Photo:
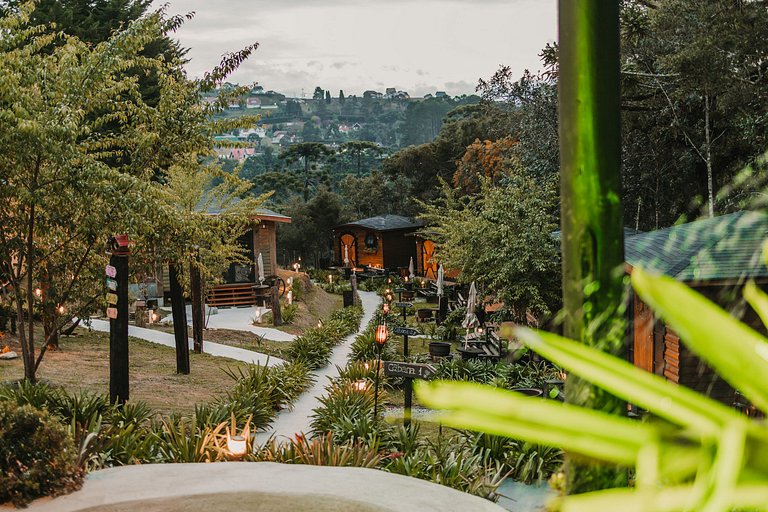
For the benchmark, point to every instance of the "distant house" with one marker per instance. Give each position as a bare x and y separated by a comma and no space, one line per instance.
344,129
401,95
356,127
441,94
233,105
253,103
269,107
714,256
240,154
381,242
390,92
428,96
372,95
257,89
210,100
278,136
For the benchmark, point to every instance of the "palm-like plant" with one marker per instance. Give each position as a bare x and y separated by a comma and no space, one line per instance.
704,457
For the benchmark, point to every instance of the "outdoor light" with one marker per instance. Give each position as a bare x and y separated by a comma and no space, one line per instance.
330,278
290,281
319,323
381,339
387,291
153,317
38,292
381,334
385,308
389,280
367,366
60,310
389,297
406,279
360,385
236,446
290,297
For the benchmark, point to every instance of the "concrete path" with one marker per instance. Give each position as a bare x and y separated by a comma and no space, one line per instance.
238,319
297,419
214,349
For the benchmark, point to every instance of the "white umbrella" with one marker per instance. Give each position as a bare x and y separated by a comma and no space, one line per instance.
346,255
410,268
440,279
260,264
470,320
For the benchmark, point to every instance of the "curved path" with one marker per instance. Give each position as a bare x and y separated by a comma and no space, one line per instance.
297,419
214,349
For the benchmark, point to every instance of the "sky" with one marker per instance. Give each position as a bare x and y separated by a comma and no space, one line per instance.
356,45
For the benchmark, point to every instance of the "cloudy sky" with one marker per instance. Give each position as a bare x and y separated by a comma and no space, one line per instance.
355,45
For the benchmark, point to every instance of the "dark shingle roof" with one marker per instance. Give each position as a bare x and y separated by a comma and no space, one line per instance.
728,247
384,223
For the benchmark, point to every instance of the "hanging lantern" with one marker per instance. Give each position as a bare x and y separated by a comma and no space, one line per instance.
385,308
381,334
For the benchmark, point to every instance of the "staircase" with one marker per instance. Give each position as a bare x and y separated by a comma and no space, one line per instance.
239,294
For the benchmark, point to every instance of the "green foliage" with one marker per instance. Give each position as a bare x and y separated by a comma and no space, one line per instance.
364,347
502,240
534,374
37,457
347,413
319,451
288,312
704,456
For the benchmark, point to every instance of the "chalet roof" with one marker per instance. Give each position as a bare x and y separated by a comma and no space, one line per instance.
214,208
728,247
384,223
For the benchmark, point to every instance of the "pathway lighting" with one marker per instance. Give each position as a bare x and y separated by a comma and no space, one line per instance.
290,297
330,278
236,446
385,308
389,297
360,385
60,309
382,333
153,317
319,323
38,292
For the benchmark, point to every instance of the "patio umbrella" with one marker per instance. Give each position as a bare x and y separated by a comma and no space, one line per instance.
346,255
260,264
410,269
470,320
440,279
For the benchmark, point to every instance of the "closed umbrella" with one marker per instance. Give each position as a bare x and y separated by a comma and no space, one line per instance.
346,255
440,279
260,264
410,269
470,320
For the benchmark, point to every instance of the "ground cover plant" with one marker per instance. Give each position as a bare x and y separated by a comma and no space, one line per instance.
314,347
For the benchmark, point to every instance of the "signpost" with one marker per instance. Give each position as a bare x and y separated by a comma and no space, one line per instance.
408,371
117,311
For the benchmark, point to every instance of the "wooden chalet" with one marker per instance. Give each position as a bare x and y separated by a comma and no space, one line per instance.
714,256
239,279
380,242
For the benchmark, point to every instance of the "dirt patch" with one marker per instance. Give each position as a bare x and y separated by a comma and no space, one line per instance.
82,364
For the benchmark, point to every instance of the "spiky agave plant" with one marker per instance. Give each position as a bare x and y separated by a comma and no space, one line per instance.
704,457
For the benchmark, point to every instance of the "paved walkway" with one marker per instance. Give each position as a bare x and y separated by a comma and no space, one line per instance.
297,419
214,349
238,319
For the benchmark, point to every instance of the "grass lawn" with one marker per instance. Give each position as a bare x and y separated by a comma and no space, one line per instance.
82,364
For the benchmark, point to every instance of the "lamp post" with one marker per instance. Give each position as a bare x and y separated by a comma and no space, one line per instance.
381,339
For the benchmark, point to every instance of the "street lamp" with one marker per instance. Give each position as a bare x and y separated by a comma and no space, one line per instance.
381,339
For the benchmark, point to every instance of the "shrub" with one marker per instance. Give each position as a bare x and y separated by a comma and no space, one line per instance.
311,350
289,312
320,451
37,456
364,347
347,413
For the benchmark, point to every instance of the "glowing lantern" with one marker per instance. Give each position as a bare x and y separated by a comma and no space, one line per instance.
381,334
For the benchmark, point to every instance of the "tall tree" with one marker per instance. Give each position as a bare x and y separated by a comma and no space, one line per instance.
319,94
309,153
359,149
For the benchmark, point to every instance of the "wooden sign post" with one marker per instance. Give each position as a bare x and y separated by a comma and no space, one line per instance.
408,371
117,311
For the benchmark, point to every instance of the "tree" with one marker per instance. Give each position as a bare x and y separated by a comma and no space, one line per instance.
69,183
310,233
501,238
341,96
328,97
309,153
319,94
358,149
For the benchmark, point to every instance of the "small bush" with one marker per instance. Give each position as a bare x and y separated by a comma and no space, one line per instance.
289,312
320,451
364,347
37,457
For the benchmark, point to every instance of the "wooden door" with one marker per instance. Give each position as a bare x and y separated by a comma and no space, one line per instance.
643,336
348,241
428,263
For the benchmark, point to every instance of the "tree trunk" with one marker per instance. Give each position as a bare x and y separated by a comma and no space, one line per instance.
50,328
277,314
708,157
198,319
592,232
179,312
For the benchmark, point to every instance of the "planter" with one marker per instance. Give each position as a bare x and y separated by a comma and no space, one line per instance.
529,391
470,353
439,349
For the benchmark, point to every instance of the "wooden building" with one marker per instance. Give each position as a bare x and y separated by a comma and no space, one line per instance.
381,242
715,257
239,279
